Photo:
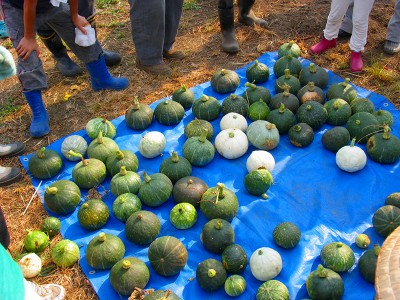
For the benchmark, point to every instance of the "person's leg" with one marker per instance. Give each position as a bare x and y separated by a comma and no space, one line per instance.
226,14
392,43
246,15
4,233
173,13
346,27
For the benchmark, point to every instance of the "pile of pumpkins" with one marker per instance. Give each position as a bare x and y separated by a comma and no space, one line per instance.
298,109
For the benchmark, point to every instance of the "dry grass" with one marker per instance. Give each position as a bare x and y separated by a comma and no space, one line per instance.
199,37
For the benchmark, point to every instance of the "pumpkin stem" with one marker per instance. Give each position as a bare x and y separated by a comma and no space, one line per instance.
377,249
270,126
311,86
41,152
308,107
175,157
339,244
139,217
120,154
183,88
102,237
220,191
126,264
218,225
297,128
180,210
146,177
250,85
260,252
313,68
386,132
287,74
122,200
52,190
123,171
336,105
203,135
136,105
282,108
204,98
291,44
352,142
85,205
321,271
265,196
231,134
286,90
166,102
75,154
190,181
223,72
100,137
211,273
346,82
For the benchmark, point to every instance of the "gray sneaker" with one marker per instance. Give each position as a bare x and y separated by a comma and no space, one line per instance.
49,291
391,47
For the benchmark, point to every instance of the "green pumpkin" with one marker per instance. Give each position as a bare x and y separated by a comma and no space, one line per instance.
129,274
310,92
62,197
104,250
183,215
258,111
263,135
257,72
335,138
271,290
142,227
169,112
216,235
45,164
225,81
235,285
386,219
287,62
65,253
314,73
36,241
325,284
189,189
176,167
195,127
139,116
362,126
51,226
235,103
93,214
362,240
155,189
120,158
301,135
286,235
290,101
125,205
167,255
219,202
234,259
362,104
184,97
198,150
384,117
101,148
210,274
161,295
312,113
254,93
206,108
94,126
125,182
367,263
342,90
339,112
258,182
384,147
393,199
88,173
337,256
283,119
289,48
287,80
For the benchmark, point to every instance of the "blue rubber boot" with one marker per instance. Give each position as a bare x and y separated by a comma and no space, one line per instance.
101,78
40,118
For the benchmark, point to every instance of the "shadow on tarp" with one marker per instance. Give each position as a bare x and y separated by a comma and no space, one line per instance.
326,203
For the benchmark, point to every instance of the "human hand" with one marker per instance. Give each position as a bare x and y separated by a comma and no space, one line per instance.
80,22
26,46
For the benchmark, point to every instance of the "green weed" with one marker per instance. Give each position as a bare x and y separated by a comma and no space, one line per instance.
8,108
191,5
106,3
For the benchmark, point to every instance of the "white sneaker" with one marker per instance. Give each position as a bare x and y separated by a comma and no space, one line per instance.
50,291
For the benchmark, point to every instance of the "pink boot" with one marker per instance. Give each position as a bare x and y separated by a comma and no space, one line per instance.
356,62
322,46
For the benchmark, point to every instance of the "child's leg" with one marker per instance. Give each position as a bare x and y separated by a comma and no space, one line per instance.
362,9
335,18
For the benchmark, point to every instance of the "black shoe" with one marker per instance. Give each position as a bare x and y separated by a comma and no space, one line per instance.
343,34
67,67
391,47
112,58
13,149
9,175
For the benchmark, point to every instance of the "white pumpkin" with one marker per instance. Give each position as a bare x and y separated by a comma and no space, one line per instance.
260,159
233,120
351,158
75,143
265,263
231,143
152,144
30,265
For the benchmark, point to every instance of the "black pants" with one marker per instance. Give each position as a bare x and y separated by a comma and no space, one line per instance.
225,3
4,234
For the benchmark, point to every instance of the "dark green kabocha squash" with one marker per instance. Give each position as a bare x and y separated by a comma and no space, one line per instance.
254,93
301,135
225,81
216,235
93,214
169,112
287,79
125,182
258,111
384,147
195,127
384,117
234,259
290,101
386,219
175,167
155,189
235,103
287,62
289,48
210,274
198,150
206,108
343,90
139,116
125,205
283,119
286,235
184,96
324,284
142,227
258,182
94,126
362,126
339,112
189,189
88,173
45,164
362,104
314,73
257,72
62,197
310,92
393,199
312,113
120,158
102,147
367,263
335,138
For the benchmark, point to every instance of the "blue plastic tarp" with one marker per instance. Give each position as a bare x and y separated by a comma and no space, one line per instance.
326,203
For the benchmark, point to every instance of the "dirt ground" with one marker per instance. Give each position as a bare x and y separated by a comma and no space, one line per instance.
199,37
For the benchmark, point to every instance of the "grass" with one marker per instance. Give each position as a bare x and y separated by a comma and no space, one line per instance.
8,108
191,4
106,3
